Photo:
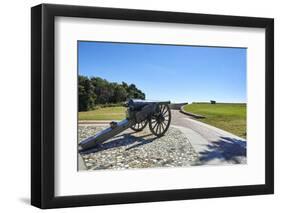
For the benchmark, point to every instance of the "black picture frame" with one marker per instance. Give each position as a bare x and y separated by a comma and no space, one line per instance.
43,111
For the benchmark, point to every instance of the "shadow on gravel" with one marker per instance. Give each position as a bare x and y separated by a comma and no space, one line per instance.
122,140
226,148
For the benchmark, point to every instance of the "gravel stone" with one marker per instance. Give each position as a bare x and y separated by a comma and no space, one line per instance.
141,149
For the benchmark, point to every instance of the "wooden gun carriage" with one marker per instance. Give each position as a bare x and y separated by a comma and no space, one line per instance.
140,113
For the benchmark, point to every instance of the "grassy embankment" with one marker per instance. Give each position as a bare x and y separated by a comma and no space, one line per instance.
229,117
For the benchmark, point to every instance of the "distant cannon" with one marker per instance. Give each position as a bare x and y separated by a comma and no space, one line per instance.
156,114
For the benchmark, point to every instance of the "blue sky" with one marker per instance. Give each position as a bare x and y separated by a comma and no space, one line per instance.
169,72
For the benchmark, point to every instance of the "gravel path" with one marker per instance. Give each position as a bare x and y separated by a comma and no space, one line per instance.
214,146
138,150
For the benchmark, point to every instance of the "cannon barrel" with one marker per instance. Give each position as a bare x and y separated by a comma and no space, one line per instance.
137,104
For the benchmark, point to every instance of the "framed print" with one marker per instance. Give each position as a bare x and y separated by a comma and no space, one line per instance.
139,106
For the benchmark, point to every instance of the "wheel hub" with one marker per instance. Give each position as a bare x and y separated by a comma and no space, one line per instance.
160,118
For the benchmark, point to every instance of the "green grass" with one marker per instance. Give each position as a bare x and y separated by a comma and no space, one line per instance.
105,113
229,117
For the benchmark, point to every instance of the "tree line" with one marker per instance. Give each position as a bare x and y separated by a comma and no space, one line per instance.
96,91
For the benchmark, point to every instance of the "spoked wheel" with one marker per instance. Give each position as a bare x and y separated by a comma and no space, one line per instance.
160,121
139,126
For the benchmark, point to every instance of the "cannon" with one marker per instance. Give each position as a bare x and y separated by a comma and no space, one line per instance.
139,114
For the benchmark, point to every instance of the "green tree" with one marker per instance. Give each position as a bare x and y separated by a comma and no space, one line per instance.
86,94
99,91
102,90
120,94
134,92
